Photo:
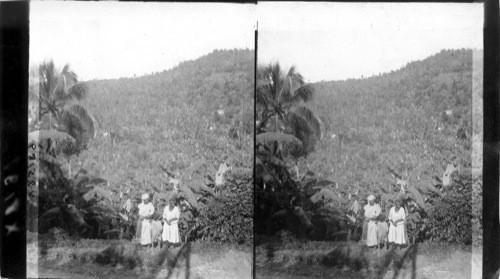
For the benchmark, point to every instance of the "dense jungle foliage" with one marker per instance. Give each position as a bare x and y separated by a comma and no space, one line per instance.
180,124
391,135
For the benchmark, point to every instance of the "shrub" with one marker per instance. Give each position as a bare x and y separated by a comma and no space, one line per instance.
450,219
229,218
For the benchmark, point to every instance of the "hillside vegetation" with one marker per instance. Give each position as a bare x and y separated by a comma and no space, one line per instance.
181,123
170,118
398,119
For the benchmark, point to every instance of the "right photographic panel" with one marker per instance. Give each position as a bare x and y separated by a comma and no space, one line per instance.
369,131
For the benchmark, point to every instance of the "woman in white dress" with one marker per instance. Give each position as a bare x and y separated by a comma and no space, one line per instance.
146,209
171,215
397,224
372,212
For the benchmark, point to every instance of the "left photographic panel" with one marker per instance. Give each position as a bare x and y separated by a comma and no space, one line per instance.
142,115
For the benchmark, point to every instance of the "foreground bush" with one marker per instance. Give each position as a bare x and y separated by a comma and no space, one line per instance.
450,218
229,218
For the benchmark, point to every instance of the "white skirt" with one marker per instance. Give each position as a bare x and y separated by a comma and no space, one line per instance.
371,235
146,232
171,233
397,233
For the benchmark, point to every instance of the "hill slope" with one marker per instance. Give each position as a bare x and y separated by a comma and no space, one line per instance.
397,119
170,118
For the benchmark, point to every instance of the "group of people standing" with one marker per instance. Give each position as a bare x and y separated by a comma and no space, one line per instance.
171,214
373,232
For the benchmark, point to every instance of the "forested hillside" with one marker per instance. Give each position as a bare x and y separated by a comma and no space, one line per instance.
171,118
397,119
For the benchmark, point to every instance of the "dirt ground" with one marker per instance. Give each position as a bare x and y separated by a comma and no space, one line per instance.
76,259
433,261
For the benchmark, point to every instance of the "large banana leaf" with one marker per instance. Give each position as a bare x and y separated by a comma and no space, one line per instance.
79,121
312,120
331,212
198,186
99,192
50,218
272,160
48,134
190,171
427,187
188,194
417,196
328,194
102,210
72,214
275,136
417,171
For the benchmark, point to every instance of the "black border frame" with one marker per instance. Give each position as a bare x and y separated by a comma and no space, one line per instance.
14,65
491,243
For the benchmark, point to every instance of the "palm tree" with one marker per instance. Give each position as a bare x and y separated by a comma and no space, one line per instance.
58,108
281,105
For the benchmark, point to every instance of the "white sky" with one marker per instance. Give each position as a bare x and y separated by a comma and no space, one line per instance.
334,41
112,39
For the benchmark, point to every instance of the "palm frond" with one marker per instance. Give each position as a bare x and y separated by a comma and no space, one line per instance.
48,80
292,71
312,120
79,121
78,91
70,76
262,98
263,82
303,93
274,74
294,81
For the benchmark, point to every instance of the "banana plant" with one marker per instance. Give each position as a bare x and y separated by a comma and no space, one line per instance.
194,183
